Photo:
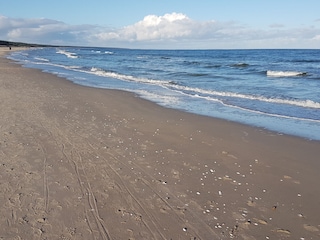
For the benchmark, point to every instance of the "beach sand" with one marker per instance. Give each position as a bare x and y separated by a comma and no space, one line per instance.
84,163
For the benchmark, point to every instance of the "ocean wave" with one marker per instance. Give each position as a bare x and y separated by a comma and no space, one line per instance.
285,73
240,65
254,110
213,66
197,74
45,62
158,97
191,62
214,94
203,92
274,114
104,73
41,59
98,51
68,54
188,74
307,60
72,67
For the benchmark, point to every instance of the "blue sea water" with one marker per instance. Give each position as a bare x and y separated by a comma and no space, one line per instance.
274,89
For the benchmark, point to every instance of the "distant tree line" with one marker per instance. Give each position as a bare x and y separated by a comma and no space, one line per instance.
20,44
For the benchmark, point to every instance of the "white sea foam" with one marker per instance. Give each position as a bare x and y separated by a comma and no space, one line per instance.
254,111
158,97
48,63
103,73
72,67
206,95
274,114
213,94
284,73
210,94
68,54
108,52
41,59
45,63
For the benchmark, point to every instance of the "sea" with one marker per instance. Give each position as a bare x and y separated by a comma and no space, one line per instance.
278,90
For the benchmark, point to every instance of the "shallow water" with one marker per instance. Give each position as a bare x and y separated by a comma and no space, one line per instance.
275,89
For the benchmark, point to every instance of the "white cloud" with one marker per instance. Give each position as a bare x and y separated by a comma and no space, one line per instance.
152,27
177,30
316,38
174,30
45,31
172,26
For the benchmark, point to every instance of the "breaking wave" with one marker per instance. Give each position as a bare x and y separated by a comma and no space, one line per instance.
240,65
212,95
41,59
68,54
215,83
103,73
209,94
285,73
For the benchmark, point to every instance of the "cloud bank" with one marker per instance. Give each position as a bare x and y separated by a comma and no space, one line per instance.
174,30
43,31
173,26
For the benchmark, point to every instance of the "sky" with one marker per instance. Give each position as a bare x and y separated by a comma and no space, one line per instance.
164,24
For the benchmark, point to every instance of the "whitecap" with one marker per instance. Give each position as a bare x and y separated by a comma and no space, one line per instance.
211,94
104,73
41,59
68,54
284,73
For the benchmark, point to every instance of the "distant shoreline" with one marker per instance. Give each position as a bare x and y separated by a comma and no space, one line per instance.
22,44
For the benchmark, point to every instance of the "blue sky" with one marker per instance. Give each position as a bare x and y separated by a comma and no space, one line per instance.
164,23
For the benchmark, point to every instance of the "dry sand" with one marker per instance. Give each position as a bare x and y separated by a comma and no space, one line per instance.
84,163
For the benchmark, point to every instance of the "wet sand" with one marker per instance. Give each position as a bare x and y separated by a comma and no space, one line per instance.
84,163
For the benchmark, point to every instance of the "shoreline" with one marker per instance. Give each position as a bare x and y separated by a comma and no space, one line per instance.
277,123
82,162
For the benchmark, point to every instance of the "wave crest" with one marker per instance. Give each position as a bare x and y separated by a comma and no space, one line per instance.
104,73
211,94
68,54
285,73
240,65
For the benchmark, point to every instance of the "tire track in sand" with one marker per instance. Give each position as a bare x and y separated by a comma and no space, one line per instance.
45,178
154,191
86,190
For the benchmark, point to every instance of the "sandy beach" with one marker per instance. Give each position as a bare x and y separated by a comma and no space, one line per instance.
84,163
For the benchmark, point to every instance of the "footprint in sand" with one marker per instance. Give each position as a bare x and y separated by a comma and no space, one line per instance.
172,151
291,179
229,155
251,203
175,174
283,231
260,221
310,228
